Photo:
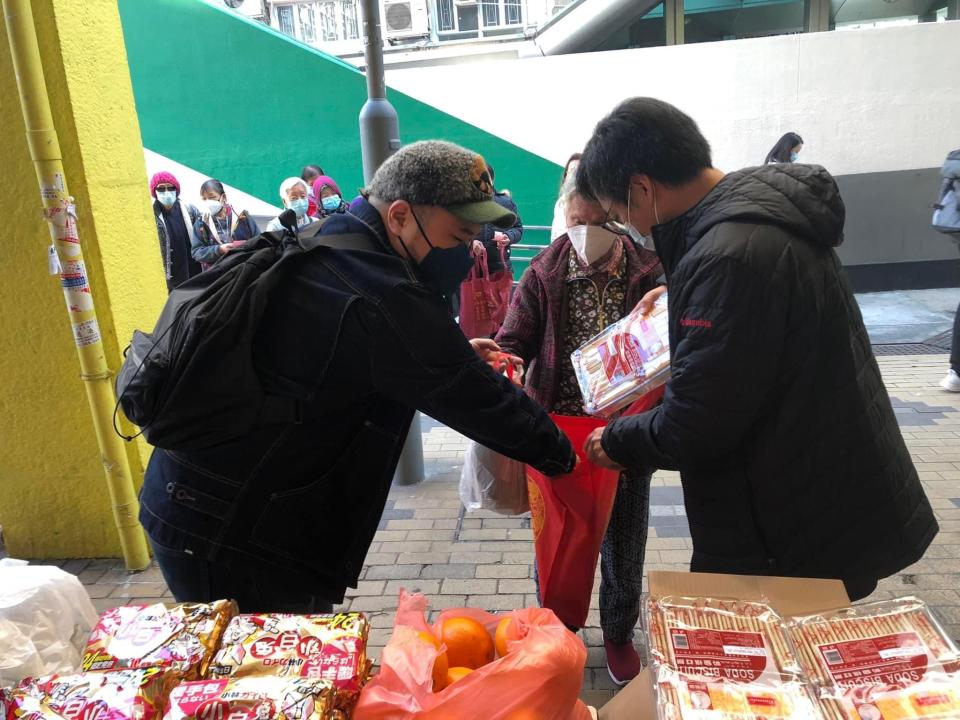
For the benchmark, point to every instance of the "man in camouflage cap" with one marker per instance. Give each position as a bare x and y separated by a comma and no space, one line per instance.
282,520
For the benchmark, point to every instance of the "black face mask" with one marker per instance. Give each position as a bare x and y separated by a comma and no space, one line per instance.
443,269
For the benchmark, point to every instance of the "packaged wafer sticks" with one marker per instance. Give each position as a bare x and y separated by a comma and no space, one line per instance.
880,661
624,362
724,660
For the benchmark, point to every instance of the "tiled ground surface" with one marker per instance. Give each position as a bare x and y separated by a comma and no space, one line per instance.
483,560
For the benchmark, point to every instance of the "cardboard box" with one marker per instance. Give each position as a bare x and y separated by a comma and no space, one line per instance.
788,596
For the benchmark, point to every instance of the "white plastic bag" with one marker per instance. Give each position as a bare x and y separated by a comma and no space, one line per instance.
51,610
492,481
18,655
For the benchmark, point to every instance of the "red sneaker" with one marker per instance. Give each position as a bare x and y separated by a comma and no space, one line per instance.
623,661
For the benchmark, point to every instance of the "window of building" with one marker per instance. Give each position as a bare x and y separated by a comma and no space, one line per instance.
351,29
447,18
513,11
491,12
308,23
285,20
328,21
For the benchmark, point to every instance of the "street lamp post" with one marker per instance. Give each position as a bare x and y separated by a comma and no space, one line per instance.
379,139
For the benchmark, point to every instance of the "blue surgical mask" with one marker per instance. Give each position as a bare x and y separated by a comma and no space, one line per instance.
167,198
331,203
300,206
444,269
794,157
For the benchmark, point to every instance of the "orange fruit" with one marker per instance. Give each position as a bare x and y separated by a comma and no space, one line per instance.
468,643
457,673
506,631
525,714
440,665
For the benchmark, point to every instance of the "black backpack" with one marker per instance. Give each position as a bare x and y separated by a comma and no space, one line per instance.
946,212
191,384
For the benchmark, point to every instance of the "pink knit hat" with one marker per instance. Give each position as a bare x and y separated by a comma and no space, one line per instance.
160,178
325,180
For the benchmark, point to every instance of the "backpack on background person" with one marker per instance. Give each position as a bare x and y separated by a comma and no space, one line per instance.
946,211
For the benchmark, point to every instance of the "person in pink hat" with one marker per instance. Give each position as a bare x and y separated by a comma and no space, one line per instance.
328,197
175,221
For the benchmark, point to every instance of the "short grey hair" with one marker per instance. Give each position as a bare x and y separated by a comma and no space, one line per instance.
569,188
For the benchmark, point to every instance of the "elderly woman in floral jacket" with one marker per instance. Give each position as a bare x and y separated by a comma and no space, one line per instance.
587,279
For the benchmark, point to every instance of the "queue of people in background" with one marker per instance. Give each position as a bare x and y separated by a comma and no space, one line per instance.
220,228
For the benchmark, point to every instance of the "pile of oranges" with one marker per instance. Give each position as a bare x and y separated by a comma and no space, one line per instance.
466,645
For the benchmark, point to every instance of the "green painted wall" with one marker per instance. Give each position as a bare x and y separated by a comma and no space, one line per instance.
248,105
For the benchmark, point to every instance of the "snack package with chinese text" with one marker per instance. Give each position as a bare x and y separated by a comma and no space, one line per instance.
123,695
889,660
325,647
254,698
724,660
624,362
182,638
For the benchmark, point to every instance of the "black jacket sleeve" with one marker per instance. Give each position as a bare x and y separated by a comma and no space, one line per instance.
724,361
420,357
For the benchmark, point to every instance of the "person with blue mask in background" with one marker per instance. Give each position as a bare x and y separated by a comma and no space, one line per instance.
295,195
328,197
220,228
787,150
175,221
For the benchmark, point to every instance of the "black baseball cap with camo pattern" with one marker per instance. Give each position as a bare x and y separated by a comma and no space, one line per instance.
435,172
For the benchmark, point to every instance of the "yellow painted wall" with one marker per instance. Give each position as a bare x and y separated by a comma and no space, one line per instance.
53,496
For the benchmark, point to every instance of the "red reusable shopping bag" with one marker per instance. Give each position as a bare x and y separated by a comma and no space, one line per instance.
484,298
570,515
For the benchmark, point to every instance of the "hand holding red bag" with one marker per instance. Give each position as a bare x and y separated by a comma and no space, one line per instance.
538,679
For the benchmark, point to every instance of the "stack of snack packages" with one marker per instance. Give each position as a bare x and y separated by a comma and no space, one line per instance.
731,660
205,662
135,656
881,661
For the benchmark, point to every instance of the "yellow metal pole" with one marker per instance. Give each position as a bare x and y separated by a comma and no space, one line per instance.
61,217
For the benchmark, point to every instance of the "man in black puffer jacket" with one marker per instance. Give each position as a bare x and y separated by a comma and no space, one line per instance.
791,459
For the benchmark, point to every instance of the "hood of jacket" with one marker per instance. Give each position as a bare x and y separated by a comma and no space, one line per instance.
802,200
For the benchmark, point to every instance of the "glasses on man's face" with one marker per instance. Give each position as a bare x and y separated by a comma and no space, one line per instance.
166,188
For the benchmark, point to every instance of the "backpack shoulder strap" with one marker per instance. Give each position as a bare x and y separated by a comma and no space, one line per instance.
340,241
312,238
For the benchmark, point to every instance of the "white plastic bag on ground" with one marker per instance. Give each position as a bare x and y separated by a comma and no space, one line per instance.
18,655
491,481
51,609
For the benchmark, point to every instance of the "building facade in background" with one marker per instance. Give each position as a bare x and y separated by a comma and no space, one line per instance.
335,25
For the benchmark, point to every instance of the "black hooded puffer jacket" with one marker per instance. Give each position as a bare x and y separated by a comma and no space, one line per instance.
776,415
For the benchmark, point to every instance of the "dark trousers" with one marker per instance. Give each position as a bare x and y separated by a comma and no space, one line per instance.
255,588
955,347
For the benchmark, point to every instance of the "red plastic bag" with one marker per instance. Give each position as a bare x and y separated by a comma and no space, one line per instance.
539,679
569,517
484,298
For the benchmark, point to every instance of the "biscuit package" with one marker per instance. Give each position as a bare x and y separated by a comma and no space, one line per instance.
889,660
624,362
139,694
182,638
253,698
